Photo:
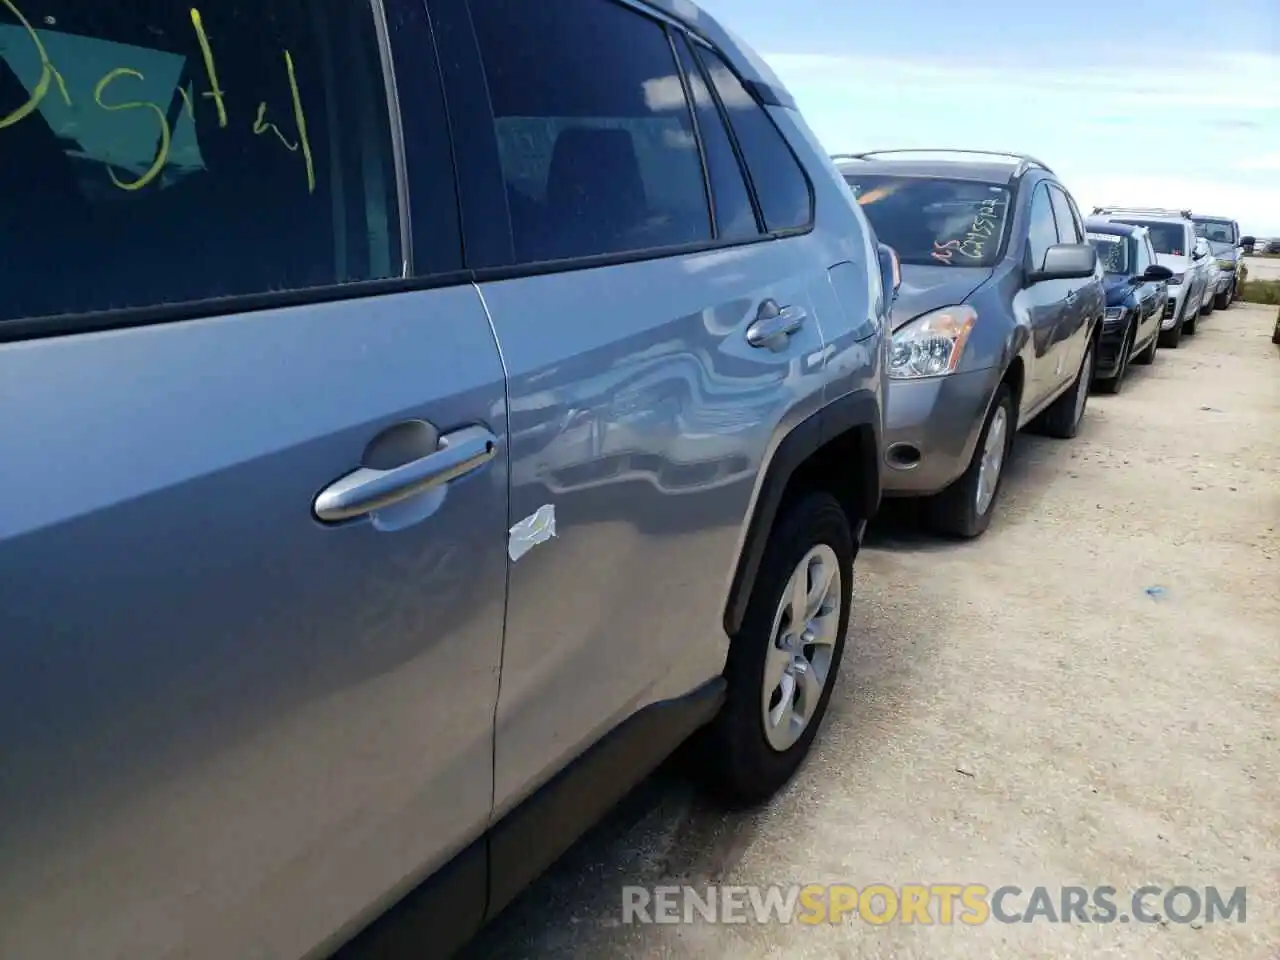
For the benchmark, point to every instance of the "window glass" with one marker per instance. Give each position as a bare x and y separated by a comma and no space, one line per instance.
780,183
1142,258
1043,230
1221,232
735,218
1166,237
1113,251
170,153
594,131
1062,212
931,221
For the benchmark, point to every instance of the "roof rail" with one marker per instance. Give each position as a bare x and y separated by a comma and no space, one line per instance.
1154,211
1025,162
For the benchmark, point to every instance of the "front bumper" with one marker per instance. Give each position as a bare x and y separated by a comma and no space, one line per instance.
1107,362
931,429
1173,311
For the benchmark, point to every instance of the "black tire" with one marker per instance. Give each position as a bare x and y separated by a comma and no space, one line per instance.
1223,300
1205,310
954,511
1060,420
738,763
1189,325
1148,354
1114,385
1172,337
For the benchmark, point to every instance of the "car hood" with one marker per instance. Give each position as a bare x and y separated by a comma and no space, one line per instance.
928,288
1176,264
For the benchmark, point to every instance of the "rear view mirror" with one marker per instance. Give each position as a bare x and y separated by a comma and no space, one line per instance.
1066,261
1248,241
890,271
1155,273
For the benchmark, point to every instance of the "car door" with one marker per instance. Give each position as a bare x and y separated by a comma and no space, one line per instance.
1149,294
252,543
1045,303
640,407
1081,302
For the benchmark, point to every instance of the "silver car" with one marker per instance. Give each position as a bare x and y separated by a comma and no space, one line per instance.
403,453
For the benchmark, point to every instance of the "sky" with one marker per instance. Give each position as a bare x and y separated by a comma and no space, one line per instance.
1171,104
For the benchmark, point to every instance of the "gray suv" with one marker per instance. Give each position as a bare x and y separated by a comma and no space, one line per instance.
995,327
421,418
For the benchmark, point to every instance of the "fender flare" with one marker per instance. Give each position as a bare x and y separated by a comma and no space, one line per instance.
860,411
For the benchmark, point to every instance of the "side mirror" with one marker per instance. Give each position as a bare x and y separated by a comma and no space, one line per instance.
1066,261
890,272
1248,241
1157,273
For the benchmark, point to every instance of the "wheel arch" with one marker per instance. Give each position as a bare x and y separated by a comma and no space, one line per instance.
836,449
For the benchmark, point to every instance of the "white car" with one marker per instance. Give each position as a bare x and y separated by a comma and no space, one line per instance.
1173,237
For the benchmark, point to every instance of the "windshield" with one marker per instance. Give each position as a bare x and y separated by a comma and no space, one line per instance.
1168,238
1216,231
937,222
1113,251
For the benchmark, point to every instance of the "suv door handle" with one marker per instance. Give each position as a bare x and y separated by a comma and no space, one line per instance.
1070,297
365,490
774,324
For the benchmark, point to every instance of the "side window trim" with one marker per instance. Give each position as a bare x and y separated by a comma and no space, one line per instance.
399,159
698,48
694,43
672,40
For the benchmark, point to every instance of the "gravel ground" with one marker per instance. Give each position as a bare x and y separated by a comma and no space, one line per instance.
1020,710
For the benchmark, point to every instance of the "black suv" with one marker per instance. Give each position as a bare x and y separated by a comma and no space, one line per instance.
1136,288
996,323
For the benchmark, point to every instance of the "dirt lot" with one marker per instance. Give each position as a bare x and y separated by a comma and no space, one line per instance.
1263,268
1021,710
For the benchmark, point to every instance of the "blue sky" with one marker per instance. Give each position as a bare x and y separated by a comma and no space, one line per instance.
1164,104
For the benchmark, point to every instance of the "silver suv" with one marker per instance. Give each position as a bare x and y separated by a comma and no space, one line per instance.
421,418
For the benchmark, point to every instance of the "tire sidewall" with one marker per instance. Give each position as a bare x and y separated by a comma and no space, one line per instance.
816,518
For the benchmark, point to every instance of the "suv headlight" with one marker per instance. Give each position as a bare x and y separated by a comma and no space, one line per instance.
1226,264
931,345
1175,280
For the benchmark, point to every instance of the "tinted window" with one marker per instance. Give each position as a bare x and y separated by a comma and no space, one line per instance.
594,130
1113,251
735,218
780,183
166,153
1068,232
1216,231
1168,238
1043,230
932,221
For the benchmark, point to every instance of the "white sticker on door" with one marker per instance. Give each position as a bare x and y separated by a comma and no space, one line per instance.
538,527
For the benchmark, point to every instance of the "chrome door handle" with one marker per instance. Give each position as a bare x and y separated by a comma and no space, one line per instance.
1070,297
773,325
366,490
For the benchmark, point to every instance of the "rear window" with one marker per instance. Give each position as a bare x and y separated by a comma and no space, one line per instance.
1216,231
933,221
1167,238
1113,251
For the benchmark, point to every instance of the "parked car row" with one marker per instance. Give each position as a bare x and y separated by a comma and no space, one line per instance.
415,449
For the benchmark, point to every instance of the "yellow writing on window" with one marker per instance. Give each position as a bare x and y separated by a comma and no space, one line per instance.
301,119
261,125
215,91
48,72
162,154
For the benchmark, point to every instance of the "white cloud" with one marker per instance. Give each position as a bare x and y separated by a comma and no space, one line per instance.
1203,134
